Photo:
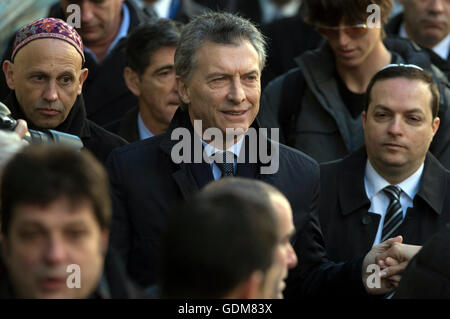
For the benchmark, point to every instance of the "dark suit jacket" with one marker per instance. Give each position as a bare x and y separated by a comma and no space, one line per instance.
332,246
127,127
428,273
147,184
349,229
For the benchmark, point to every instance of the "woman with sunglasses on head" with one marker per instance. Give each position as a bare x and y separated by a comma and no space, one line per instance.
318,105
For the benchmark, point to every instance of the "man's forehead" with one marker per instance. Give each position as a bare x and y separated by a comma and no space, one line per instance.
59,212
46,51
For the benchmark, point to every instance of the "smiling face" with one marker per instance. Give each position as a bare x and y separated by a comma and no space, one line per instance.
43,241
399,126
427,22
224,88
47,78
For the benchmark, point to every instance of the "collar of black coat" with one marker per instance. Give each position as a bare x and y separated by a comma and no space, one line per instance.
352,192
181,119
75,123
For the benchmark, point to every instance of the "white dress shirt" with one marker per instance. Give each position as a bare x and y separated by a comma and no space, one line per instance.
441,49
375,184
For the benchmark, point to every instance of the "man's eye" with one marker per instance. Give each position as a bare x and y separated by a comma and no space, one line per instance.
37,77
66,79
75,234
29,235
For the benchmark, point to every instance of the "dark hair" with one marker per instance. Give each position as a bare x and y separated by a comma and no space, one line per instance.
332,12
147,38
407,72
216,27
42,174
214,241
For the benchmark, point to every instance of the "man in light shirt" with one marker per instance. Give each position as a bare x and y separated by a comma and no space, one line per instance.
426,22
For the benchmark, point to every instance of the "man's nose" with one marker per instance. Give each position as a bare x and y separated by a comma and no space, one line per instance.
291,257
396,126
55,251
51,92
236,93
436,6
87,12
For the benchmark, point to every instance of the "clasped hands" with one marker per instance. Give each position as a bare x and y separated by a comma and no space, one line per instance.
386,263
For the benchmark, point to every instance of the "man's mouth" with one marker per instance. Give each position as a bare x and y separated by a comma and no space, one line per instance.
48,112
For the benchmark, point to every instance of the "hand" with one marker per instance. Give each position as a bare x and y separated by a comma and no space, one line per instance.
394,261
21,128
383,285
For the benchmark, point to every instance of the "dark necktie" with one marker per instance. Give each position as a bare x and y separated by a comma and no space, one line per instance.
225,162
394,212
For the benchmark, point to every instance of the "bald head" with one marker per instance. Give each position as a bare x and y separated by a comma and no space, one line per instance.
47,77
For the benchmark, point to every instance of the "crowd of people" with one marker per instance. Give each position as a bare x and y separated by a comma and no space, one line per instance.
231,149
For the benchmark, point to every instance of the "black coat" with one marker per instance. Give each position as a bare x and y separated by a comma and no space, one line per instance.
147,184
287,38
349,229
106,95
96,139
127,127
428,273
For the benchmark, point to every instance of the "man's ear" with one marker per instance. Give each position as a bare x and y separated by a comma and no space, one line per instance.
83,75
104,241
8,70
364,119
183,91
132,81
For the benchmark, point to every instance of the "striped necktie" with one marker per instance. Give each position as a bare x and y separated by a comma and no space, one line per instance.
394,213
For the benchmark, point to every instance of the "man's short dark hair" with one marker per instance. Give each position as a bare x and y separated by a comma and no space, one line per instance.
149,37
42,174
213,242
410,73
332,12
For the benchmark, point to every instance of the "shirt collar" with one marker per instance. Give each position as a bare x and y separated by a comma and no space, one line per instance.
376,183
144,132
235,149
440,49
123,32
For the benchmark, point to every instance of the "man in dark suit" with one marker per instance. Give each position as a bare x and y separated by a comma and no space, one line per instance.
393,186
426,22
219,85
150,75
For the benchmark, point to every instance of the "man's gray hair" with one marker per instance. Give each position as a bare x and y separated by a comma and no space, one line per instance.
216,27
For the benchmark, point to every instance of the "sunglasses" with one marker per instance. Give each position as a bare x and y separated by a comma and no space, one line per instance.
354,31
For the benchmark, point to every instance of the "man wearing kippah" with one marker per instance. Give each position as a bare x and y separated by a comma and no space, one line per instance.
46,77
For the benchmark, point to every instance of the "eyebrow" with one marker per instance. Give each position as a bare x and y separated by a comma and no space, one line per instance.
164,67
385,108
